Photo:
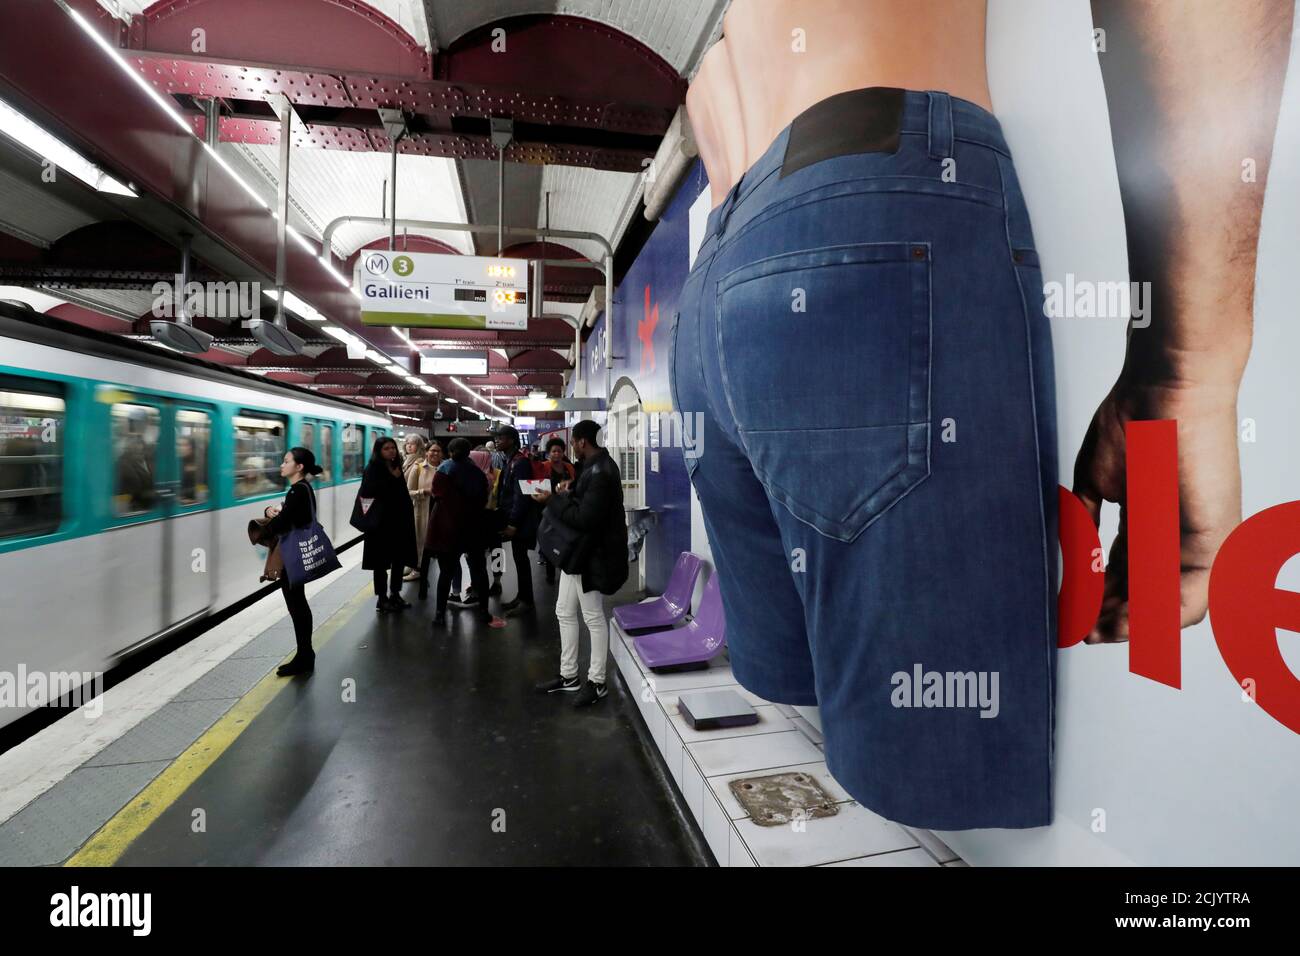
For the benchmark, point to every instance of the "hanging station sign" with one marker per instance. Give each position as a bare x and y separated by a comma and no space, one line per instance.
433,290
453,362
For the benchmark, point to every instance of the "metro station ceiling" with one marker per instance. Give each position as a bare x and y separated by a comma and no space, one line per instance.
442,74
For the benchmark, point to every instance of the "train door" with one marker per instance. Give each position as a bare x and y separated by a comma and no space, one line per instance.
191,535
162,563
132,567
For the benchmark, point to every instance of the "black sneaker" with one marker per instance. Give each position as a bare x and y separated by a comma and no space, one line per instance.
440,617
383,607
520,609
469,599
299,665
495,589
510,605
590,693
395,603
567,685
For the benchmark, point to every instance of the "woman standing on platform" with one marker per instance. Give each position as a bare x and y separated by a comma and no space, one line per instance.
411,462
422,495
299,507
390,547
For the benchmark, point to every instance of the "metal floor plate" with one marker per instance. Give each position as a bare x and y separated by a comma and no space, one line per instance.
782,797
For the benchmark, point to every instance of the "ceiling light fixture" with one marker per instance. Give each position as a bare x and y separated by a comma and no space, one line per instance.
26,133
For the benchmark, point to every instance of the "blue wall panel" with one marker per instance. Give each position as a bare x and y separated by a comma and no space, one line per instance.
645,306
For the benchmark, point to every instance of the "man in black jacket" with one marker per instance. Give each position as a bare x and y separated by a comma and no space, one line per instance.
594,507
519,516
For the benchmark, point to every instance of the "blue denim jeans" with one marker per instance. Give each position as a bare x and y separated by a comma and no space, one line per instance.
863,339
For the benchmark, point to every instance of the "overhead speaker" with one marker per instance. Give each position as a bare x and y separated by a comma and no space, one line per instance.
275,338
181,337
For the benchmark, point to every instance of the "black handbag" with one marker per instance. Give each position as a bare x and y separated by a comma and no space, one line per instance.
365,514
564,546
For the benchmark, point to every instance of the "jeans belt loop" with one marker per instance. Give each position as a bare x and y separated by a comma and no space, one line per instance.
728,204
940,125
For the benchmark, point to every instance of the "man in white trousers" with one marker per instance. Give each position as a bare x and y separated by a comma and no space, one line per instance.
594,563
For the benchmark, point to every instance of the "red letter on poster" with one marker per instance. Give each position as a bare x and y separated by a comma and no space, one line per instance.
1154,610
1081,586
1246,607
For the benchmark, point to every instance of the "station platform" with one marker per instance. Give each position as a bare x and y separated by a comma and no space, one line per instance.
407,746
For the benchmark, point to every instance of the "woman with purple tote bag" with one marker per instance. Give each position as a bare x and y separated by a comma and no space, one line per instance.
305,550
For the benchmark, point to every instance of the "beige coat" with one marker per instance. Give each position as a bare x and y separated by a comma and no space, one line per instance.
419,482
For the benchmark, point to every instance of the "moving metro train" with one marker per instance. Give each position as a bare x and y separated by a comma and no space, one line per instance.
127,479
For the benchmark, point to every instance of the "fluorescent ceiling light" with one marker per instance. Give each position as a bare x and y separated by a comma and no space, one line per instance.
130,71
414,381
454,401
296,305
474,394
298,237
379,357
26,133
430,389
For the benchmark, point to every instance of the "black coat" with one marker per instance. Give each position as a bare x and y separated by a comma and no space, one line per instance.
514,508
594,506
393,542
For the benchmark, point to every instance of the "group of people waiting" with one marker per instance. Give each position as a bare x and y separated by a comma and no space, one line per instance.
439,508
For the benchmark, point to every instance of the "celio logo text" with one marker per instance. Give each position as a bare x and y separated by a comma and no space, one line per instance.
1246,606
103,909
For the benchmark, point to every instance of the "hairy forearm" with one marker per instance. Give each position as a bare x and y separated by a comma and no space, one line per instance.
1193,90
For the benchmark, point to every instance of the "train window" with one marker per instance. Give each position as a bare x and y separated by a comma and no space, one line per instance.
309,438
325,456
260,444
31,463
135,456
354,459
193,434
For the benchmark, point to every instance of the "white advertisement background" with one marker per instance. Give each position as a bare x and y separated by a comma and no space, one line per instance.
1190,776
1183,777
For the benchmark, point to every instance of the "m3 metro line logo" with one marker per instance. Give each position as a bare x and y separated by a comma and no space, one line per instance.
1246,607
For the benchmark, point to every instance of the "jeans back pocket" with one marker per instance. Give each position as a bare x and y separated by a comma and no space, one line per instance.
825,361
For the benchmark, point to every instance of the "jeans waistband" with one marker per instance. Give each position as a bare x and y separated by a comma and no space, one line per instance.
876,117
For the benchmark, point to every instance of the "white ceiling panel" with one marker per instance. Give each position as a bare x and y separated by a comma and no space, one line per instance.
675,29
587,200
327,183
32,213
408,14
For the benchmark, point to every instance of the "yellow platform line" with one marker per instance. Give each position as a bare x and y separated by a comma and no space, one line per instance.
112,839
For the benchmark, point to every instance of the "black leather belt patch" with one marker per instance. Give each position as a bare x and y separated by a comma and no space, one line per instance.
857,121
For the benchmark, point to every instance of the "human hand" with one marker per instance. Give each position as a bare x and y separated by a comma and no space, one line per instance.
1209,486
509,532
272,511
541,497
564,485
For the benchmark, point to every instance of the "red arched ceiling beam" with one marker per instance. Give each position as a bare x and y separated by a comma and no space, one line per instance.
607,108
559,55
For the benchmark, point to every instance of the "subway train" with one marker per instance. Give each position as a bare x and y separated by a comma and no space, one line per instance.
127,479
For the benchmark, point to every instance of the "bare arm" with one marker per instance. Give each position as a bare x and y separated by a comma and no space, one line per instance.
1193,90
